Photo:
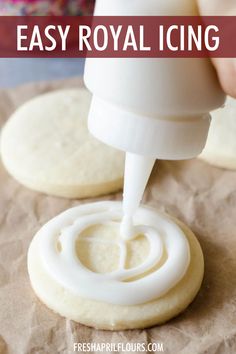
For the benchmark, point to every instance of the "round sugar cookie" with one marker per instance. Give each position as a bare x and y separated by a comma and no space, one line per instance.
46,146
81,268
220,149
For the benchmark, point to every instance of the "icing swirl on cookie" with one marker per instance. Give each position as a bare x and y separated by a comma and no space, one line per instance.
116,287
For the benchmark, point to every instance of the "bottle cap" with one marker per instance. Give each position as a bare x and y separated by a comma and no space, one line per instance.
169,138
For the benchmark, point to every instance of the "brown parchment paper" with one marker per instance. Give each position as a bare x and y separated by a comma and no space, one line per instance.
202,196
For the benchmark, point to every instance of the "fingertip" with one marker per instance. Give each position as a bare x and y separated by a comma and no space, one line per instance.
226,70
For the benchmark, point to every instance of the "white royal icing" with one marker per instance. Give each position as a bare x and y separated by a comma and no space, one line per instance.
64,266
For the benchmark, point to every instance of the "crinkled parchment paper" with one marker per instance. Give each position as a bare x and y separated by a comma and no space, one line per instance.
202,196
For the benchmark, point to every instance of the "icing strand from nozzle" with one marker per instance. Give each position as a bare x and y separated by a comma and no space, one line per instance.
137,172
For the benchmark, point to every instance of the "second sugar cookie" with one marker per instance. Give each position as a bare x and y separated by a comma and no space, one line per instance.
220,149
47,147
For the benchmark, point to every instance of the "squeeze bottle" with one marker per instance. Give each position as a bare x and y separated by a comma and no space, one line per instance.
150,108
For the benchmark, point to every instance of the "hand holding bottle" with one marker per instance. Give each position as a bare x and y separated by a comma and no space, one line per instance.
226,67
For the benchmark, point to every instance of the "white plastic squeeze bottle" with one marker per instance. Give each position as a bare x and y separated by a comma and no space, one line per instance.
150,108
